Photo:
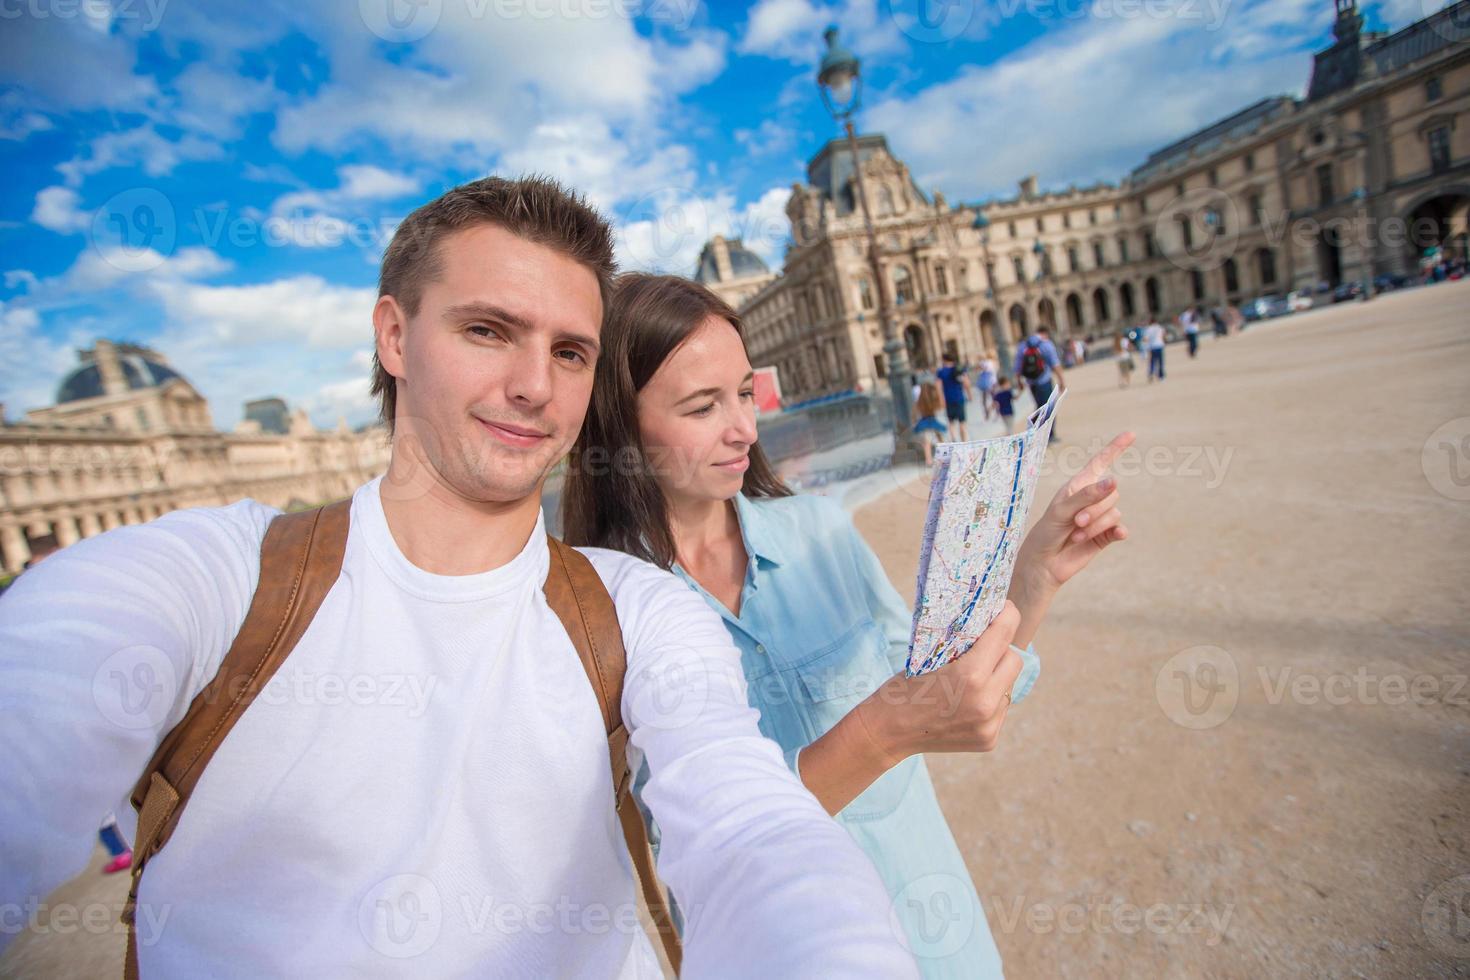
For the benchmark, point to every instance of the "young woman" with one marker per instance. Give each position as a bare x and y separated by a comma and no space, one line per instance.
1123,353
930,427
823,635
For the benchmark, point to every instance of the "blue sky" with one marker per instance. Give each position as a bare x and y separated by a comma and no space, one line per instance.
218,179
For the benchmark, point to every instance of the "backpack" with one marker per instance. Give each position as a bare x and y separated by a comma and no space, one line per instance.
300,560
1033,364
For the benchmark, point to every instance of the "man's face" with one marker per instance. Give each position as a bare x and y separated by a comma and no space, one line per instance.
495,370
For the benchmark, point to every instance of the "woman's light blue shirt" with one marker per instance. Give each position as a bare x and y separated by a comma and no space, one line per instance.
820,628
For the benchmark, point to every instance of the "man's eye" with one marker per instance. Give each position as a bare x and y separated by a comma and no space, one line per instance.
481,330
574,356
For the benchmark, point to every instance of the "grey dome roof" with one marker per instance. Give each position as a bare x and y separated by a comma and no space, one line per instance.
743,262
139,370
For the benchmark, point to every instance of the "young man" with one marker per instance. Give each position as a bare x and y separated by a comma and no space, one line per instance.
955,385
425,787
1037,363
1153,340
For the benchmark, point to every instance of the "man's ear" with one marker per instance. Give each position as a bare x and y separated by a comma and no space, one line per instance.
389,325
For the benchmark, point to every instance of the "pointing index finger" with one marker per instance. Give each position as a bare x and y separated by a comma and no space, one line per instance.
1098,465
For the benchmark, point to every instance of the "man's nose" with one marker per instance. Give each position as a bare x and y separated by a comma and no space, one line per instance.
529,383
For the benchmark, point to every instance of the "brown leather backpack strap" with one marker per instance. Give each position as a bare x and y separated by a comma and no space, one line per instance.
300,560
575,592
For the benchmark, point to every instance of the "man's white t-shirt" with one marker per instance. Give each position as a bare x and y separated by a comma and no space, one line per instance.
424,787
1153,336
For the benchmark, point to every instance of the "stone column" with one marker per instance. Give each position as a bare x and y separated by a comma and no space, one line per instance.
14,552
66,531
91,527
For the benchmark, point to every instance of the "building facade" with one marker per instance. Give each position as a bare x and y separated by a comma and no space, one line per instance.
130,439
1362,178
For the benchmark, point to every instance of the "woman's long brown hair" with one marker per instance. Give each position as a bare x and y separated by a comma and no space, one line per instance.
930,401
610,498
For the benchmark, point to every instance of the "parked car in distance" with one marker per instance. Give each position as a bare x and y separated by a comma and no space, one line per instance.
1265,307
1298,300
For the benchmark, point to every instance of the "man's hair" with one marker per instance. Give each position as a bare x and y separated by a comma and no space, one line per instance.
535,208
949,358
1044,330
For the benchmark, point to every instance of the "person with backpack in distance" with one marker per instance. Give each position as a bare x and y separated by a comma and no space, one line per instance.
1037,363
393,735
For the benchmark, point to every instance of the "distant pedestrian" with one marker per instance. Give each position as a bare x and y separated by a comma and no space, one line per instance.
989,370
930,427
1153,340
1123,353
1005,402
1218,317
1189,320
1037,364
956,386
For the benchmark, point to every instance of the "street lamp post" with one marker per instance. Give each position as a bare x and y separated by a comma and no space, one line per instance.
840,83
1002,328
1365,262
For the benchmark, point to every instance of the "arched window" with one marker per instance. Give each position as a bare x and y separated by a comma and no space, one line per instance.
865,293
903,285
1266,266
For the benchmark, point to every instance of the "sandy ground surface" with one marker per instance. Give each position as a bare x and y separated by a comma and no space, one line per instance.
1249,751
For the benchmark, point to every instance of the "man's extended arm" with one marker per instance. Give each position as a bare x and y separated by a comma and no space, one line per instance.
102,647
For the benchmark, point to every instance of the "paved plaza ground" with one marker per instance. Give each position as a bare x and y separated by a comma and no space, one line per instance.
1249,751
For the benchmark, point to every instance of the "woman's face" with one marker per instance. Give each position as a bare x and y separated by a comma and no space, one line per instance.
696,415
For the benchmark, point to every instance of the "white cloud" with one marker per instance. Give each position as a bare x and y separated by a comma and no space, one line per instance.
31,363
66,64
215,102
305,310
768,139
142,147
345,214
485,81
791,30
666,231
608,167
1089,100
56,209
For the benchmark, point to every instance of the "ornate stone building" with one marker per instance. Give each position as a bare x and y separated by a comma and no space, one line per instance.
1359,179
130,439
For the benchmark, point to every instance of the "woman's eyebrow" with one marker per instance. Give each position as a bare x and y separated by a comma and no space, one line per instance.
706,392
